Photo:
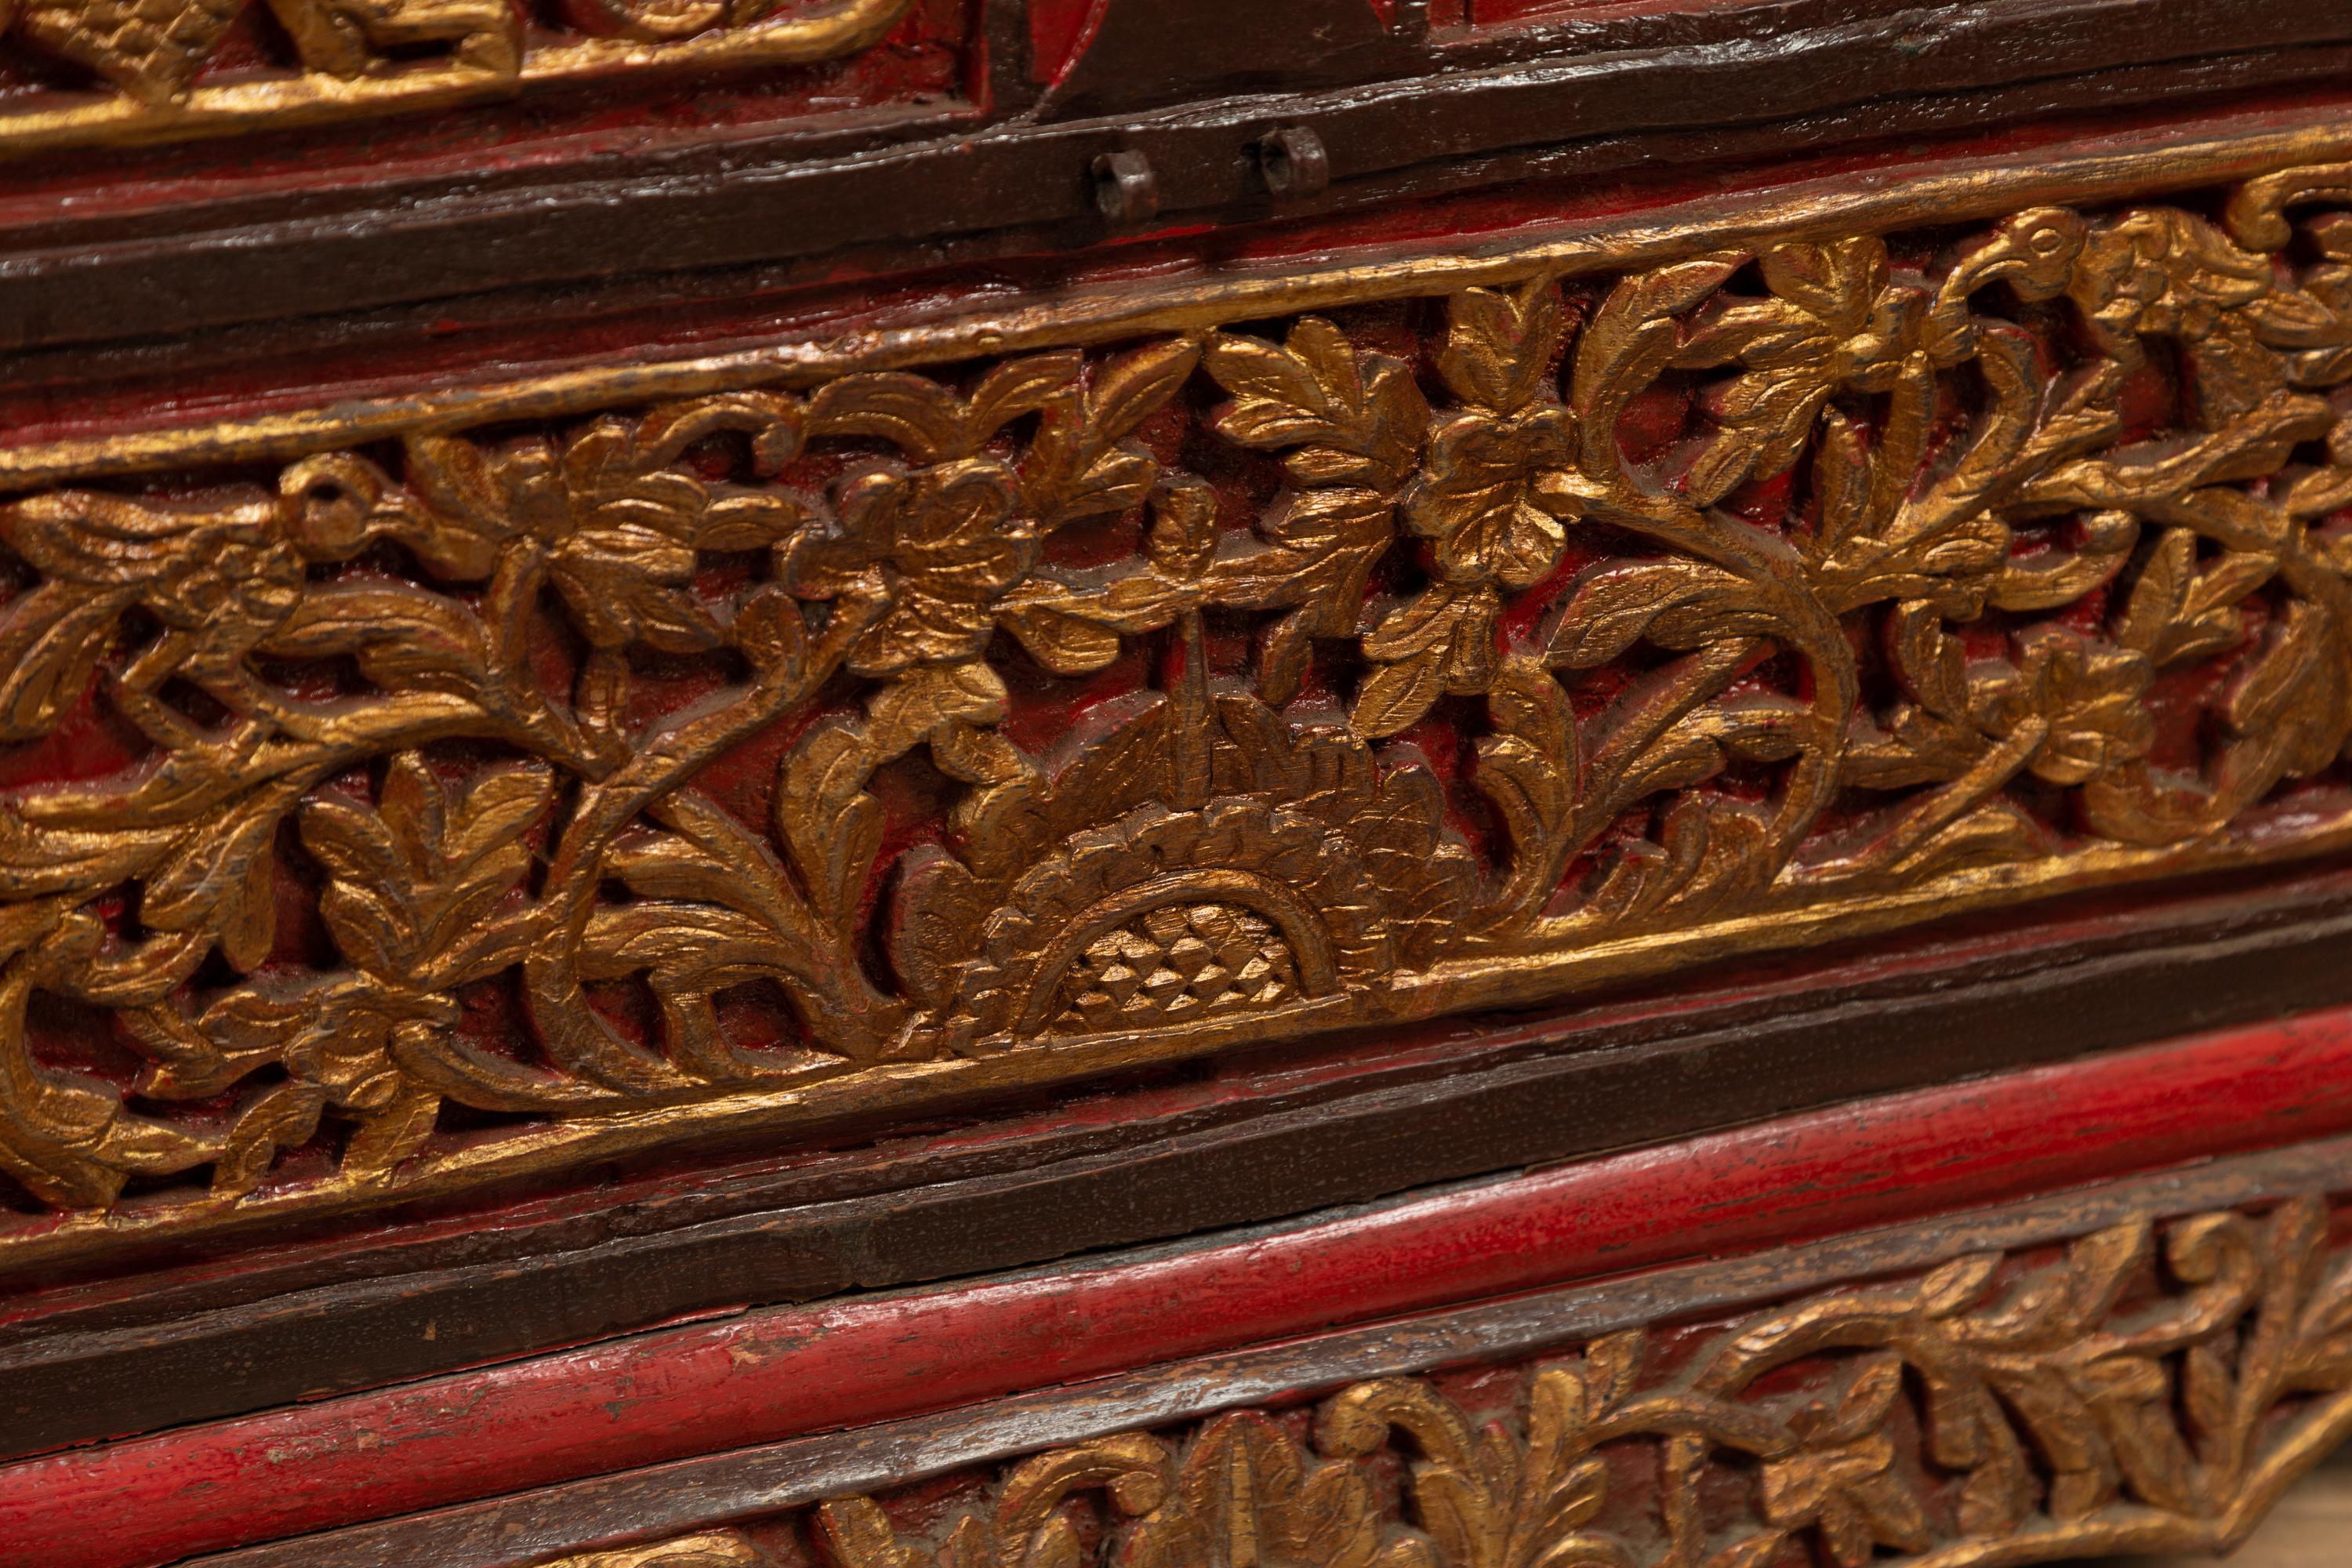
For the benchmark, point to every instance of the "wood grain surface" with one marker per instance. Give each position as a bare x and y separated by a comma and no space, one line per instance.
745,1485
762,1377
1612,92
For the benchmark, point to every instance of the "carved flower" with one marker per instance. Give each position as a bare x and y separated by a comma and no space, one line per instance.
1835,320
622,527
1841,1480
1482,500
2087,698
1496,490
2161,271
340,1036
943,545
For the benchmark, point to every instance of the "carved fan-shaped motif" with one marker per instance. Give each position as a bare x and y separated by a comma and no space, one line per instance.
1300,885
1344,882
1175,961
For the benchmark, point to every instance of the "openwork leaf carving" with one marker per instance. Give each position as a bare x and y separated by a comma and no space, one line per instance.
2150,1385
962,722
150,61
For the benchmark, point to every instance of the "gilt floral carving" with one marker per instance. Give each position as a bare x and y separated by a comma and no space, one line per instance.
2150,1387
802,748
168,68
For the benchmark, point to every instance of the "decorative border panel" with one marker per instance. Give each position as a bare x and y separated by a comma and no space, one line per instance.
2146,1388
469,794
171,69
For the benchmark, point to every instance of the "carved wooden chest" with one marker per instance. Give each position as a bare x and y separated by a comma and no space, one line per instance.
1171,783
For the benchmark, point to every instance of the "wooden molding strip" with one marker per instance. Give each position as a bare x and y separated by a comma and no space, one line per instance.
766,1376
1502,105
721,1489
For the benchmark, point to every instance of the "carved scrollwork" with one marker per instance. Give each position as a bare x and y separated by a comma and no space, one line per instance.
163,59
997,721
2151,1387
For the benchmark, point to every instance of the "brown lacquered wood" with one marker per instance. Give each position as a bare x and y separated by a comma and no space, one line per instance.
1582,100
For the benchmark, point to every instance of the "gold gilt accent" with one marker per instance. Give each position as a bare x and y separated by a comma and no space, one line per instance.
717,1548
360,57
782,751
2150,1389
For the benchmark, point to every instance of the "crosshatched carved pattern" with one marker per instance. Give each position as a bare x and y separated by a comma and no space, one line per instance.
2146,1388
481,795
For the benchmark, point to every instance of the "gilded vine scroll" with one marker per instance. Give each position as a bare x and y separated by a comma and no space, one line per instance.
165,69
2149,1388
488,796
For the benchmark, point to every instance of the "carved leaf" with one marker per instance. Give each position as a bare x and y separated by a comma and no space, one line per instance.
1358,417
277,1119
859,1534
1331,540
1062,643
914,412
1680,604
1842,474
1957,1285
51,640
771,632
1012,389
403,638
195,1060
1443,641
414,885
1498,346
1130,389
390,1134
1529,767
1632,338
224,878
1082,464
1395,696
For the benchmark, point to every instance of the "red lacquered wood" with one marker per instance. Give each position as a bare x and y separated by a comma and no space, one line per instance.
489,342
1058,31
774,1374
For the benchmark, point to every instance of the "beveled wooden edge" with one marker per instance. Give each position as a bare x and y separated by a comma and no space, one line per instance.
761,1378
1567,96
654,1502
1091,306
